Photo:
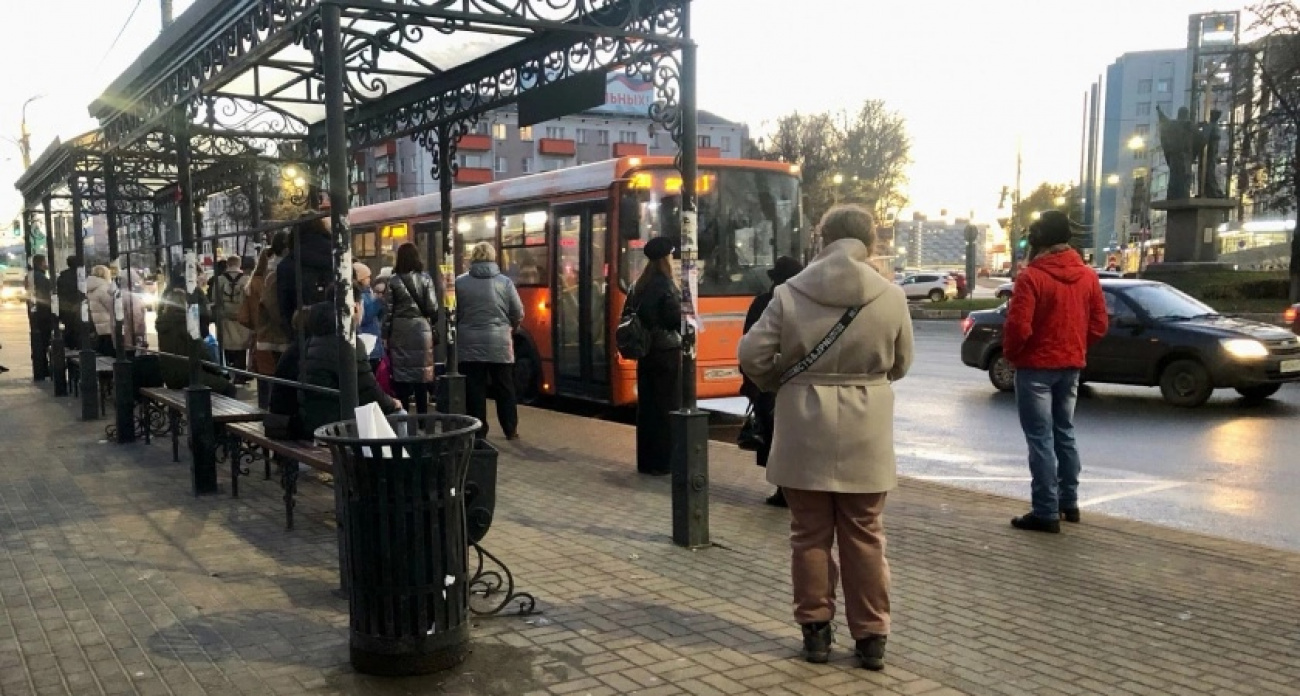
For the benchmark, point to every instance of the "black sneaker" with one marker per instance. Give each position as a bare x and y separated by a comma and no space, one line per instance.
817,639
871,652
1070,514
777,499
1033,523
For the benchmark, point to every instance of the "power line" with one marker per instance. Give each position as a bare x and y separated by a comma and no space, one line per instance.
122,31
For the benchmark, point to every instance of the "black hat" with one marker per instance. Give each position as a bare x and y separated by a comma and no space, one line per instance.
784,269
1051,228
658,248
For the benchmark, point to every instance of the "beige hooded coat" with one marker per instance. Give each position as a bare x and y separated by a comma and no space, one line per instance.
834,422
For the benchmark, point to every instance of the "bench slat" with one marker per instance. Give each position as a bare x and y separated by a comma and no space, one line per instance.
225,410
311,454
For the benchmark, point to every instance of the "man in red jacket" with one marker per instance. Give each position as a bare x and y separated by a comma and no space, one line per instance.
1056,313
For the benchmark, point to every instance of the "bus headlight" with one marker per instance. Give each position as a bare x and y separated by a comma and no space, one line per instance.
1244,348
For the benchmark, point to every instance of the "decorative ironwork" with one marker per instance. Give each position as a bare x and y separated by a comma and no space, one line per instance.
496,588
432,140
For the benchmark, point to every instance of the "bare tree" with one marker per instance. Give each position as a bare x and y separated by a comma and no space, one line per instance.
1274,133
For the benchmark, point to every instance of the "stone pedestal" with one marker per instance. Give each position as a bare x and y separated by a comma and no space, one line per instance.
1191,233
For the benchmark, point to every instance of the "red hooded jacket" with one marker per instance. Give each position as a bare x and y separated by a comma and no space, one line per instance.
1057,311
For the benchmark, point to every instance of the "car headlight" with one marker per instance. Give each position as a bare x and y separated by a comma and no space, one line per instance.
1244,348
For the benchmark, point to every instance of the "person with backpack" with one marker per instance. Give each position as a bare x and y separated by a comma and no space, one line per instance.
655,306
411,302
231,288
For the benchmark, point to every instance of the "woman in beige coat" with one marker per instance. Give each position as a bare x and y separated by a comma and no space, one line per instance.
833,447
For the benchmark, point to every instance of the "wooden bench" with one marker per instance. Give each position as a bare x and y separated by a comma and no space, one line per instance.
225,411
288,454
103,370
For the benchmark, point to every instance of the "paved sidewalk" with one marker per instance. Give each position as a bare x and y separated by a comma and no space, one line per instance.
114,580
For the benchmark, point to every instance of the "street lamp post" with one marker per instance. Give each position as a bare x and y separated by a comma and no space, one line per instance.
25,141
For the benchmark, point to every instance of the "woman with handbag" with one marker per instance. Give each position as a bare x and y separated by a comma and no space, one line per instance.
831,344
763,404
657,304
488,311
269,341
411,304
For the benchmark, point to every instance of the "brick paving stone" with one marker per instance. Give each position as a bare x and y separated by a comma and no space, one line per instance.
115,580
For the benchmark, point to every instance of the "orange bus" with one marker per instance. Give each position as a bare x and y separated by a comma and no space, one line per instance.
570,240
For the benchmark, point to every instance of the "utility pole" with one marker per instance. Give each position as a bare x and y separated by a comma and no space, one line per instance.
1015,210
167,18
25,142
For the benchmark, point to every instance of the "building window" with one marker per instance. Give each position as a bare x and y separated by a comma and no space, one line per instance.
1167,107
526,133
555,132
1144,86
602,137
472,161
584,136
501,165
1142,129
1164,85
526,165
481,128
550,164
383,165
726,143
704,141
1144,109
499,131
627,137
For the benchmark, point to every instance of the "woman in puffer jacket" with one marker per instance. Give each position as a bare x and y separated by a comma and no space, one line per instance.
101,296
412,307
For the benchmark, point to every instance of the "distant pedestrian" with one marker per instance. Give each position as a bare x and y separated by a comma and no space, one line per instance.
231,288
68,287
488,310
39,289
411,309
1058,311
101,295
763,402
657,301
831,343
372,314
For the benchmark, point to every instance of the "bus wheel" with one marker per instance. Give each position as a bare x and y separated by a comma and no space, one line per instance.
528,372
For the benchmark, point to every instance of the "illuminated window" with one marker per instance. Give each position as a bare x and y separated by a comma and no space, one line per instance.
526,133
499,131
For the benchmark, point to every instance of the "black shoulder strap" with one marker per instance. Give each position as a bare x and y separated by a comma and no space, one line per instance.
820,349
417,298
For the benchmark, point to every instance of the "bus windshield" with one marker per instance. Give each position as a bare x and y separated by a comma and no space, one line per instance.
747,219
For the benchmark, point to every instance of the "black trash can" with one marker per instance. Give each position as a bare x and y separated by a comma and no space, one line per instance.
403,530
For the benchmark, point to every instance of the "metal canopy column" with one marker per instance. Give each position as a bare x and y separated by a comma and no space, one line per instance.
451,394
690,426
88,380
198,397
58,361
123,387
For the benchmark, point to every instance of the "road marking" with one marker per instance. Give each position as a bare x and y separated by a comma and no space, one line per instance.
1156,488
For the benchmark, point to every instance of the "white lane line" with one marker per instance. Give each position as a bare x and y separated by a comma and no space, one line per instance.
1156,488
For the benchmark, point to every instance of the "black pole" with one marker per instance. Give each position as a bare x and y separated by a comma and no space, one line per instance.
123,386
451,392
58,359
690,426
336,134
88,380
198,397
34,320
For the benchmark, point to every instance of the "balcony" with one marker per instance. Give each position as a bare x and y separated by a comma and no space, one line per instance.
473,175
556,146
714,152
385,181
387,149
474,142
629,150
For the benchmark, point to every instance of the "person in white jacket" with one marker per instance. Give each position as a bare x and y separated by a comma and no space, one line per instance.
101,295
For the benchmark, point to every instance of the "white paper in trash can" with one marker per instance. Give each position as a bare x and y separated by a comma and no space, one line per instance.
372,425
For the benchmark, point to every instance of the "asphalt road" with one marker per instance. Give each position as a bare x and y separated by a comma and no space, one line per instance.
1227,469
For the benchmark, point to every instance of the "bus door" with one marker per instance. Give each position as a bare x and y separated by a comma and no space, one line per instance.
579,301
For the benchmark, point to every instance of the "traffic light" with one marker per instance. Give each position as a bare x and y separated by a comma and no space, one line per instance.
1023,243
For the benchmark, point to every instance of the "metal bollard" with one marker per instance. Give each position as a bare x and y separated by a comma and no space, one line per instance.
58,362
88,379
124,398
690,462
203,440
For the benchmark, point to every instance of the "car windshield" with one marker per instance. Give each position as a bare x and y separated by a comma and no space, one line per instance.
746,220
1165,303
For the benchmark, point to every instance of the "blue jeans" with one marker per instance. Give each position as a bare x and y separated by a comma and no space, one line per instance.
1045,399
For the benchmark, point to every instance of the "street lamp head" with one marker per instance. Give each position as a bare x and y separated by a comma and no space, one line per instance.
1112,179
837,179
1035,215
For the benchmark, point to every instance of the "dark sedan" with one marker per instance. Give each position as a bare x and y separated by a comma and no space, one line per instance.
1160,336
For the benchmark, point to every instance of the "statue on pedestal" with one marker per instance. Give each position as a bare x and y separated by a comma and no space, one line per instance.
1209,176
1180,141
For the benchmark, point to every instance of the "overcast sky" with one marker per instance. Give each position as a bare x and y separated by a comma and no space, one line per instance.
969,77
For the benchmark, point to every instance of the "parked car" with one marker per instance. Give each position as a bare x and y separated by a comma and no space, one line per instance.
1291,317
13,289
936,287
1004,290
1159,336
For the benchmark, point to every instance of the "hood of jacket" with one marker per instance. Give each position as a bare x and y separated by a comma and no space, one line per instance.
841,276
317,251
320,319
1065,266
95,283
484,269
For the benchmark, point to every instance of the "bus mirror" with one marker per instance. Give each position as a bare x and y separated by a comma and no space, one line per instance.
629,217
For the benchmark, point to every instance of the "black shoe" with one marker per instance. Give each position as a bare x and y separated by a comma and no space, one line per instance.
1033,523
777,499
3,369
871,652
817,639
1070,514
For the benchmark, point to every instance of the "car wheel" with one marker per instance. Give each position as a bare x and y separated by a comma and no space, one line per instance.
936,295
1002,374
1258,393
1185,383
1004,295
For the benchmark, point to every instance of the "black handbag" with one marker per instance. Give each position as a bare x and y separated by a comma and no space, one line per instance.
751,437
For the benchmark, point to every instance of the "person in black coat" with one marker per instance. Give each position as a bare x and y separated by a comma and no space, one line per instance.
312,249
765,402
657,301
70,299
39,289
